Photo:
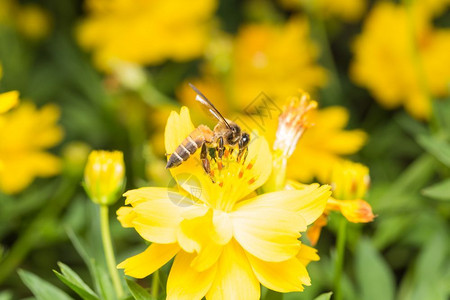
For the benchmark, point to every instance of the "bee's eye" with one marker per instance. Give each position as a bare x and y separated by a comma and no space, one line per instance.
244,140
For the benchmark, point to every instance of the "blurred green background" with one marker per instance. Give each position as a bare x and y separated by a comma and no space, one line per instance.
115,70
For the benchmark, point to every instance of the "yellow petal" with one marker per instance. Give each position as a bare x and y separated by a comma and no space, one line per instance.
223,229
178,127
147,262
157,217
8,100
307,254
184,282
235,278
190,174
126,215
286,276
269,233
309,202
193,234
208,255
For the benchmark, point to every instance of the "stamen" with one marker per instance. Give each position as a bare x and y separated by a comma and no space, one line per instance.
293,122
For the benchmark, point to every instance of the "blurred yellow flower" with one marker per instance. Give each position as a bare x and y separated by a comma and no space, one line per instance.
385,61
276,60
104,176
322,145
25,133
8,100
226,240
32,21
145,31
29,19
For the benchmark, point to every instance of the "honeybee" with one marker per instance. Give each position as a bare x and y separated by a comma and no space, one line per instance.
225,133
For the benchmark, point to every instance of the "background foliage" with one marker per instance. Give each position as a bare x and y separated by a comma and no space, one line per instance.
403,254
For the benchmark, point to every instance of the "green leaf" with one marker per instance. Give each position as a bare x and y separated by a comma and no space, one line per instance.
441,111
437,147
41,288
101,279
5,295
72,280
438,191
409,124
430,268
374,277
138,292
324,296
272,295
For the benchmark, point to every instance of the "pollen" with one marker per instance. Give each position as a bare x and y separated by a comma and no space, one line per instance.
229,167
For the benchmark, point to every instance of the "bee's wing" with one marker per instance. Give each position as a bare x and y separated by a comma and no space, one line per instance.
209,107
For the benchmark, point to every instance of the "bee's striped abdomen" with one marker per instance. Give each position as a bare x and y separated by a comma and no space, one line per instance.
188,146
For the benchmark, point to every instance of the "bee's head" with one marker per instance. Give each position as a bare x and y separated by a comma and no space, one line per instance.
234,134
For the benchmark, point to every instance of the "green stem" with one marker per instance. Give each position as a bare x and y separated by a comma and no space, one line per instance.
155,285
33,234
342,234
109,251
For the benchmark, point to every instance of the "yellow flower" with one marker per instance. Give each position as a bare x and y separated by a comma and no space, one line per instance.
385,61
29,19
104,176
8,100
322,145
226,240
25,133
276,60
145,32
32,21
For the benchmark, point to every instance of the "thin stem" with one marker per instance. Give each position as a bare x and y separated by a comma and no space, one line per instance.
109,251
342,234
155,285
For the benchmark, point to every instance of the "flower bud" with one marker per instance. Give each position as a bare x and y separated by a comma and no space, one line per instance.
349,180
104,176
355,211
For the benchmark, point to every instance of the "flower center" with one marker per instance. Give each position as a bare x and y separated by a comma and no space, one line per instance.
232,174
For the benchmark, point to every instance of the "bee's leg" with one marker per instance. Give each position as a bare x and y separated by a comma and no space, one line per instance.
205,162
243,146
243,151
220,147
204,158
